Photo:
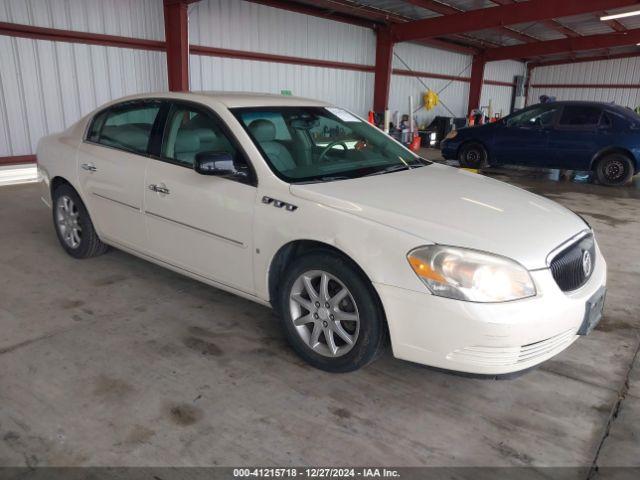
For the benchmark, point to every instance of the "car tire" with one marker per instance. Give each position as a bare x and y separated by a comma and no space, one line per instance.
73,225
473,155
328,316
614,169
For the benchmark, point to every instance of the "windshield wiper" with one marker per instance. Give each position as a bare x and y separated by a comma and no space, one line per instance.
392,168
328,178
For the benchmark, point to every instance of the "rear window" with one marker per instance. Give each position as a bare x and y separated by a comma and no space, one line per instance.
580,115
126,127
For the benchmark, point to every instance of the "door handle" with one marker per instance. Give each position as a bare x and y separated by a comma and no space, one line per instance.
90,167
159,188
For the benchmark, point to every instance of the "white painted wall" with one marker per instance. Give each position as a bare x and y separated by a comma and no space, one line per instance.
46,86
615,71
453,94
252,27
126,18
500,96
246,26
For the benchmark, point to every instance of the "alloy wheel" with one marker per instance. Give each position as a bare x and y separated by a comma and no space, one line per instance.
324,313
67,214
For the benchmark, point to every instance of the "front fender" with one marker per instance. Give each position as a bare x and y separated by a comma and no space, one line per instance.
380,251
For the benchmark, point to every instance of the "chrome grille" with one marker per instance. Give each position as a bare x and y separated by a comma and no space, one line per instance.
573,266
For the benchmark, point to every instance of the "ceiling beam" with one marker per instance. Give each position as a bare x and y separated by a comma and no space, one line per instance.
445,9
522,12
589,58
565,45
318,12
613,24
552,24
368,17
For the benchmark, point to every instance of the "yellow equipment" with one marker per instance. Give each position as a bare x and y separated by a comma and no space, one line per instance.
430,99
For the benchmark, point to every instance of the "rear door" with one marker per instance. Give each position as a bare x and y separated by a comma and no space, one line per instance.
200,223
575,138
524,138
112,162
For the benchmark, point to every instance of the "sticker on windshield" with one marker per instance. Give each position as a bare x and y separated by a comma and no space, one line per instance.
343,114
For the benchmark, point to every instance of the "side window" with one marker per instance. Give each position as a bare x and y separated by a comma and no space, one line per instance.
96,125
191,131
540,116
580,116
125,127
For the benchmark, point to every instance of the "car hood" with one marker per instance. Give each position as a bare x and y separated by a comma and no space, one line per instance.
450,206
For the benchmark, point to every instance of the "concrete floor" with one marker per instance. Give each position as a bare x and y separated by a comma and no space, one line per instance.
115,361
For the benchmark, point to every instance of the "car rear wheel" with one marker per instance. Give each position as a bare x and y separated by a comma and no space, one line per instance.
614,169
473,155
73,226
331,314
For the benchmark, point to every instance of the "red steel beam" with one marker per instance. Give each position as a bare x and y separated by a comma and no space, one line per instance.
317,12
269,57
475,87
591,58
57,35
521,12
176,34
445,9
565,45
18,160
384,60
552,24
586,85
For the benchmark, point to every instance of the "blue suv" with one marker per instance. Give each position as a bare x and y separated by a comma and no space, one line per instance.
601,137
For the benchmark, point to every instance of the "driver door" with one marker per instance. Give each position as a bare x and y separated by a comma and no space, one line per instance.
200,223
524,137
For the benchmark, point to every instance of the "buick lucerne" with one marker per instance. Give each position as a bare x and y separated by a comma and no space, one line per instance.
352,239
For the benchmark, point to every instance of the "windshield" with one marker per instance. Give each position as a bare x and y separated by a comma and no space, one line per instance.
316,144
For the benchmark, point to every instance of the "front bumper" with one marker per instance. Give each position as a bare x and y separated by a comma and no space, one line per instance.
487,338
449,149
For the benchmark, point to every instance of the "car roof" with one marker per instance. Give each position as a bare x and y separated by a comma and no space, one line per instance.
585,103
624,111
235,99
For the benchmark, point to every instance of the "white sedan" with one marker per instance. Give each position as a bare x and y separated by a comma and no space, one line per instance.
350,237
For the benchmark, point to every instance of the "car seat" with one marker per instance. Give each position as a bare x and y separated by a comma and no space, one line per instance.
264,131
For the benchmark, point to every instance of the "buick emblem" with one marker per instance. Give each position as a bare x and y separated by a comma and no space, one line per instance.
586,263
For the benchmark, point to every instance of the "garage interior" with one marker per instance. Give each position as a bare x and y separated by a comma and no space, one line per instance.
115,361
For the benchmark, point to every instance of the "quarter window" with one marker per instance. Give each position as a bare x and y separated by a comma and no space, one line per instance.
579,116
125,127
191,131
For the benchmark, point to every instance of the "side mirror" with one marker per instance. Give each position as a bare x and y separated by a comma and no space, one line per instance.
215,163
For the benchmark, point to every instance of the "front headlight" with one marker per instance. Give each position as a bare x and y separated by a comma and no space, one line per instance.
451,134
470,275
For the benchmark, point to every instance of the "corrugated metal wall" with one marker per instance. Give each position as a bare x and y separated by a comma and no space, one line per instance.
453,94
126,18
46,86
499,95
248,26
619,71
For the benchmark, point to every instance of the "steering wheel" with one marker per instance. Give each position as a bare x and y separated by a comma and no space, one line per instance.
329,147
